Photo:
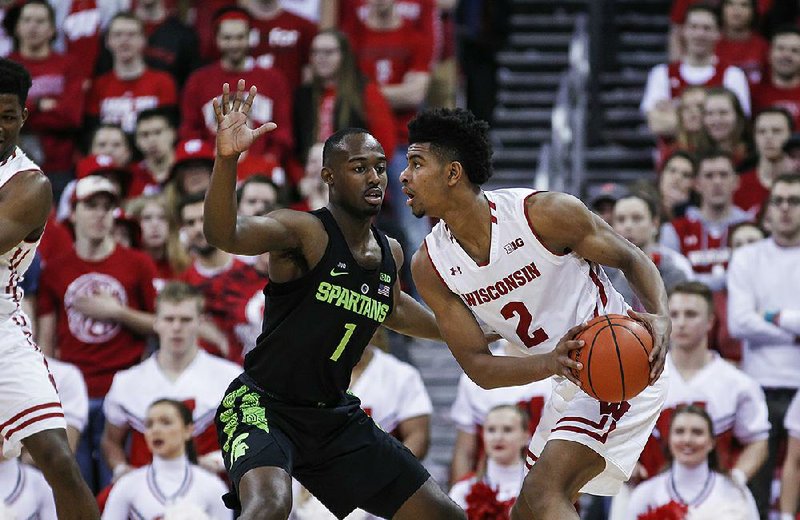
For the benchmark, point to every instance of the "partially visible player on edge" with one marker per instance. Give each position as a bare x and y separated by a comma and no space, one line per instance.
528,265
30,411
333,281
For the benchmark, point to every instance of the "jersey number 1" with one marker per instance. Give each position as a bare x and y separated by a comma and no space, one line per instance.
348,332
529,339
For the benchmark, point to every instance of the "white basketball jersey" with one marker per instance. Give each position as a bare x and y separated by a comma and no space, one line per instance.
528,294
14,262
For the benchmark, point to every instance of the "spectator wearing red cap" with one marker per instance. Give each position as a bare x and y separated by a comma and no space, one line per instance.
55,101
272,103
119,95
95,303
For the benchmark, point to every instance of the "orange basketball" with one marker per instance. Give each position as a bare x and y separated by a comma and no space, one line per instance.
615,358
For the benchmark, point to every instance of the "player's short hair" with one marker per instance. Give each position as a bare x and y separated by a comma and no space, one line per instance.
456,135
186,417
705,7
336,142
177,292
693,409
14,79
776,110
165,113
696,289
188,200
785,178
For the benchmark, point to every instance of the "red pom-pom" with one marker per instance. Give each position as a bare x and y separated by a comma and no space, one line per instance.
482,504
669,511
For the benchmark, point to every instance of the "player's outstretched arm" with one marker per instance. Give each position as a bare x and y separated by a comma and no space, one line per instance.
25,202
468,344
564,223
222,226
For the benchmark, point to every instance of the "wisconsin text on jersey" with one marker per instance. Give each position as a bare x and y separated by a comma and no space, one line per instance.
352,301
507,284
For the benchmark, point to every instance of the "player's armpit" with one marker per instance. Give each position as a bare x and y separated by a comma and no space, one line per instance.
25,202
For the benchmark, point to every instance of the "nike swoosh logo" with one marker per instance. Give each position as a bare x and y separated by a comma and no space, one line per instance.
334,273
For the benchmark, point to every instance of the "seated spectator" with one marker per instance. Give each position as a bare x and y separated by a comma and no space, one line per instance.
675,183
790,477
339,96
495,488
602,197
636,219
724,126
741,44
282,39
781,86
131,86
173,477
697,66
792,150
693,478
473,403
313,191
110,139
689,125
155,137
55,101
272,103
191,170
702,234
178,370
771,128
25,492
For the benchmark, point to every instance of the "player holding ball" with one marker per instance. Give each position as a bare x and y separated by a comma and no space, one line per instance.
527,264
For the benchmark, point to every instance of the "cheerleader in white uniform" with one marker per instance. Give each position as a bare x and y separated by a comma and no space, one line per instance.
172,482
692,484
24,493
491,492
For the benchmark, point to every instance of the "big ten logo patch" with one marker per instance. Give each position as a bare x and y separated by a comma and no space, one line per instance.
385,278
85,287
513,245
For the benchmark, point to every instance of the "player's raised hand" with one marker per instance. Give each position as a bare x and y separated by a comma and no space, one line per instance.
233,134
660,328
560,363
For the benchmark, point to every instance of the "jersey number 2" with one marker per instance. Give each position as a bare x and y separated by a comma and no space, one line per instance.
529,339
348,332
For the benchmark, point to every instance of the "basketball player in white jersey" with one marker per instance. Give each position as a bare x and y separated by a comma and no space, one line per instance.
30,411
527,264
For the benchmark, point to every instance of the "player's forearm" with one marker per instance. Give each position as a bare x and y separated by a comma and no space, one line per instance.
220,204
489,371
412,319
752,458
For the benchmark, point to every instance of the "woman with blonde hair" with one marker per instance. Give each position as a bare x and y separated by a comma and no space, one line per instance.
725,125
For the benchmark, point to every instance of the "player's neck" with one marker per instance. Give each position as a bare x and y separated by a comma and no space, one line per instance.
471,225
355,228
129,69
173,364
94,250
689,361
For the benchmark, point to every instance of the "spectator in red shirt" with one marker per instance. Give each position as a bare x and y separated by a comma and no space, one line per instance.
131,86
155,138
741,45
80,23
190,173
95,303
782,86
282,39
273,102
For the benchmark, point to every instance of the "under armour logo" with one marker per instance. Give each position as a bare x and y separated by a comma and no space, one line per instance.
455,270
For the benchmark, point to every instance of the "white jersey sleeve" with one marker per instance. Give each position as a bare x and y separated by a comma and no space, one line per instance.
792,420
72,391
656,89
112,404
736,80
752,416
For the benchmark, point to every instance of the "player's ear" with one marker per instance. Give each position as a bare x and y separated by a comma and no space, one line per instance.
327,175
454,173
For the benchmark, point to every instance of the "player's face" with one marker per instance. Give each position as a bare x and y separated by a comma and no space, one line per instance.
716,181
155,138
676,180
691,321
719,117
12,116
358,178
125,39
233,40
94,217
325,57
737,14
177,325
165,433
784,55
424,180
744,235
155,226
258,198
784,210
111,142
504,437
771,133
690,441
192,229
632,220
34,27
701,33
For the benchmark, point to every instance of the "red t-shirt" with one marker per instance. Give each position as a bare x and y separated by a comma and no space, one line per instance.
98,348
751,194
283,42
750,55
272,103
386,56
765,94
55,240
55,77
119,101
82,31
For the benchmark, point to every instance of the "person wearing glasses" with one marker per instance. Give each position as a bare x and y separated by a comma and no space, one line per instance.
764,312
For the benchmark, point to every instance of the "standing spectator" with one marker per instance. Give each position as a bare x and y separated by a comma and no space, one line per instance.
601,199
698,66
55,101
94,302
790,477
724,125
155,136
80,23
25,492
280,39
763,311
171,45
178,370
781,87
272,103
635,218
702,234
741,44
131,86
772,129
339,96
675,184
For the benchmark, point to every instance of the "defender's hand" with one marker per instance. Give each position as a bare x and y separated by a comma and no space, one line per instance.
233,134
660,328
559,362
